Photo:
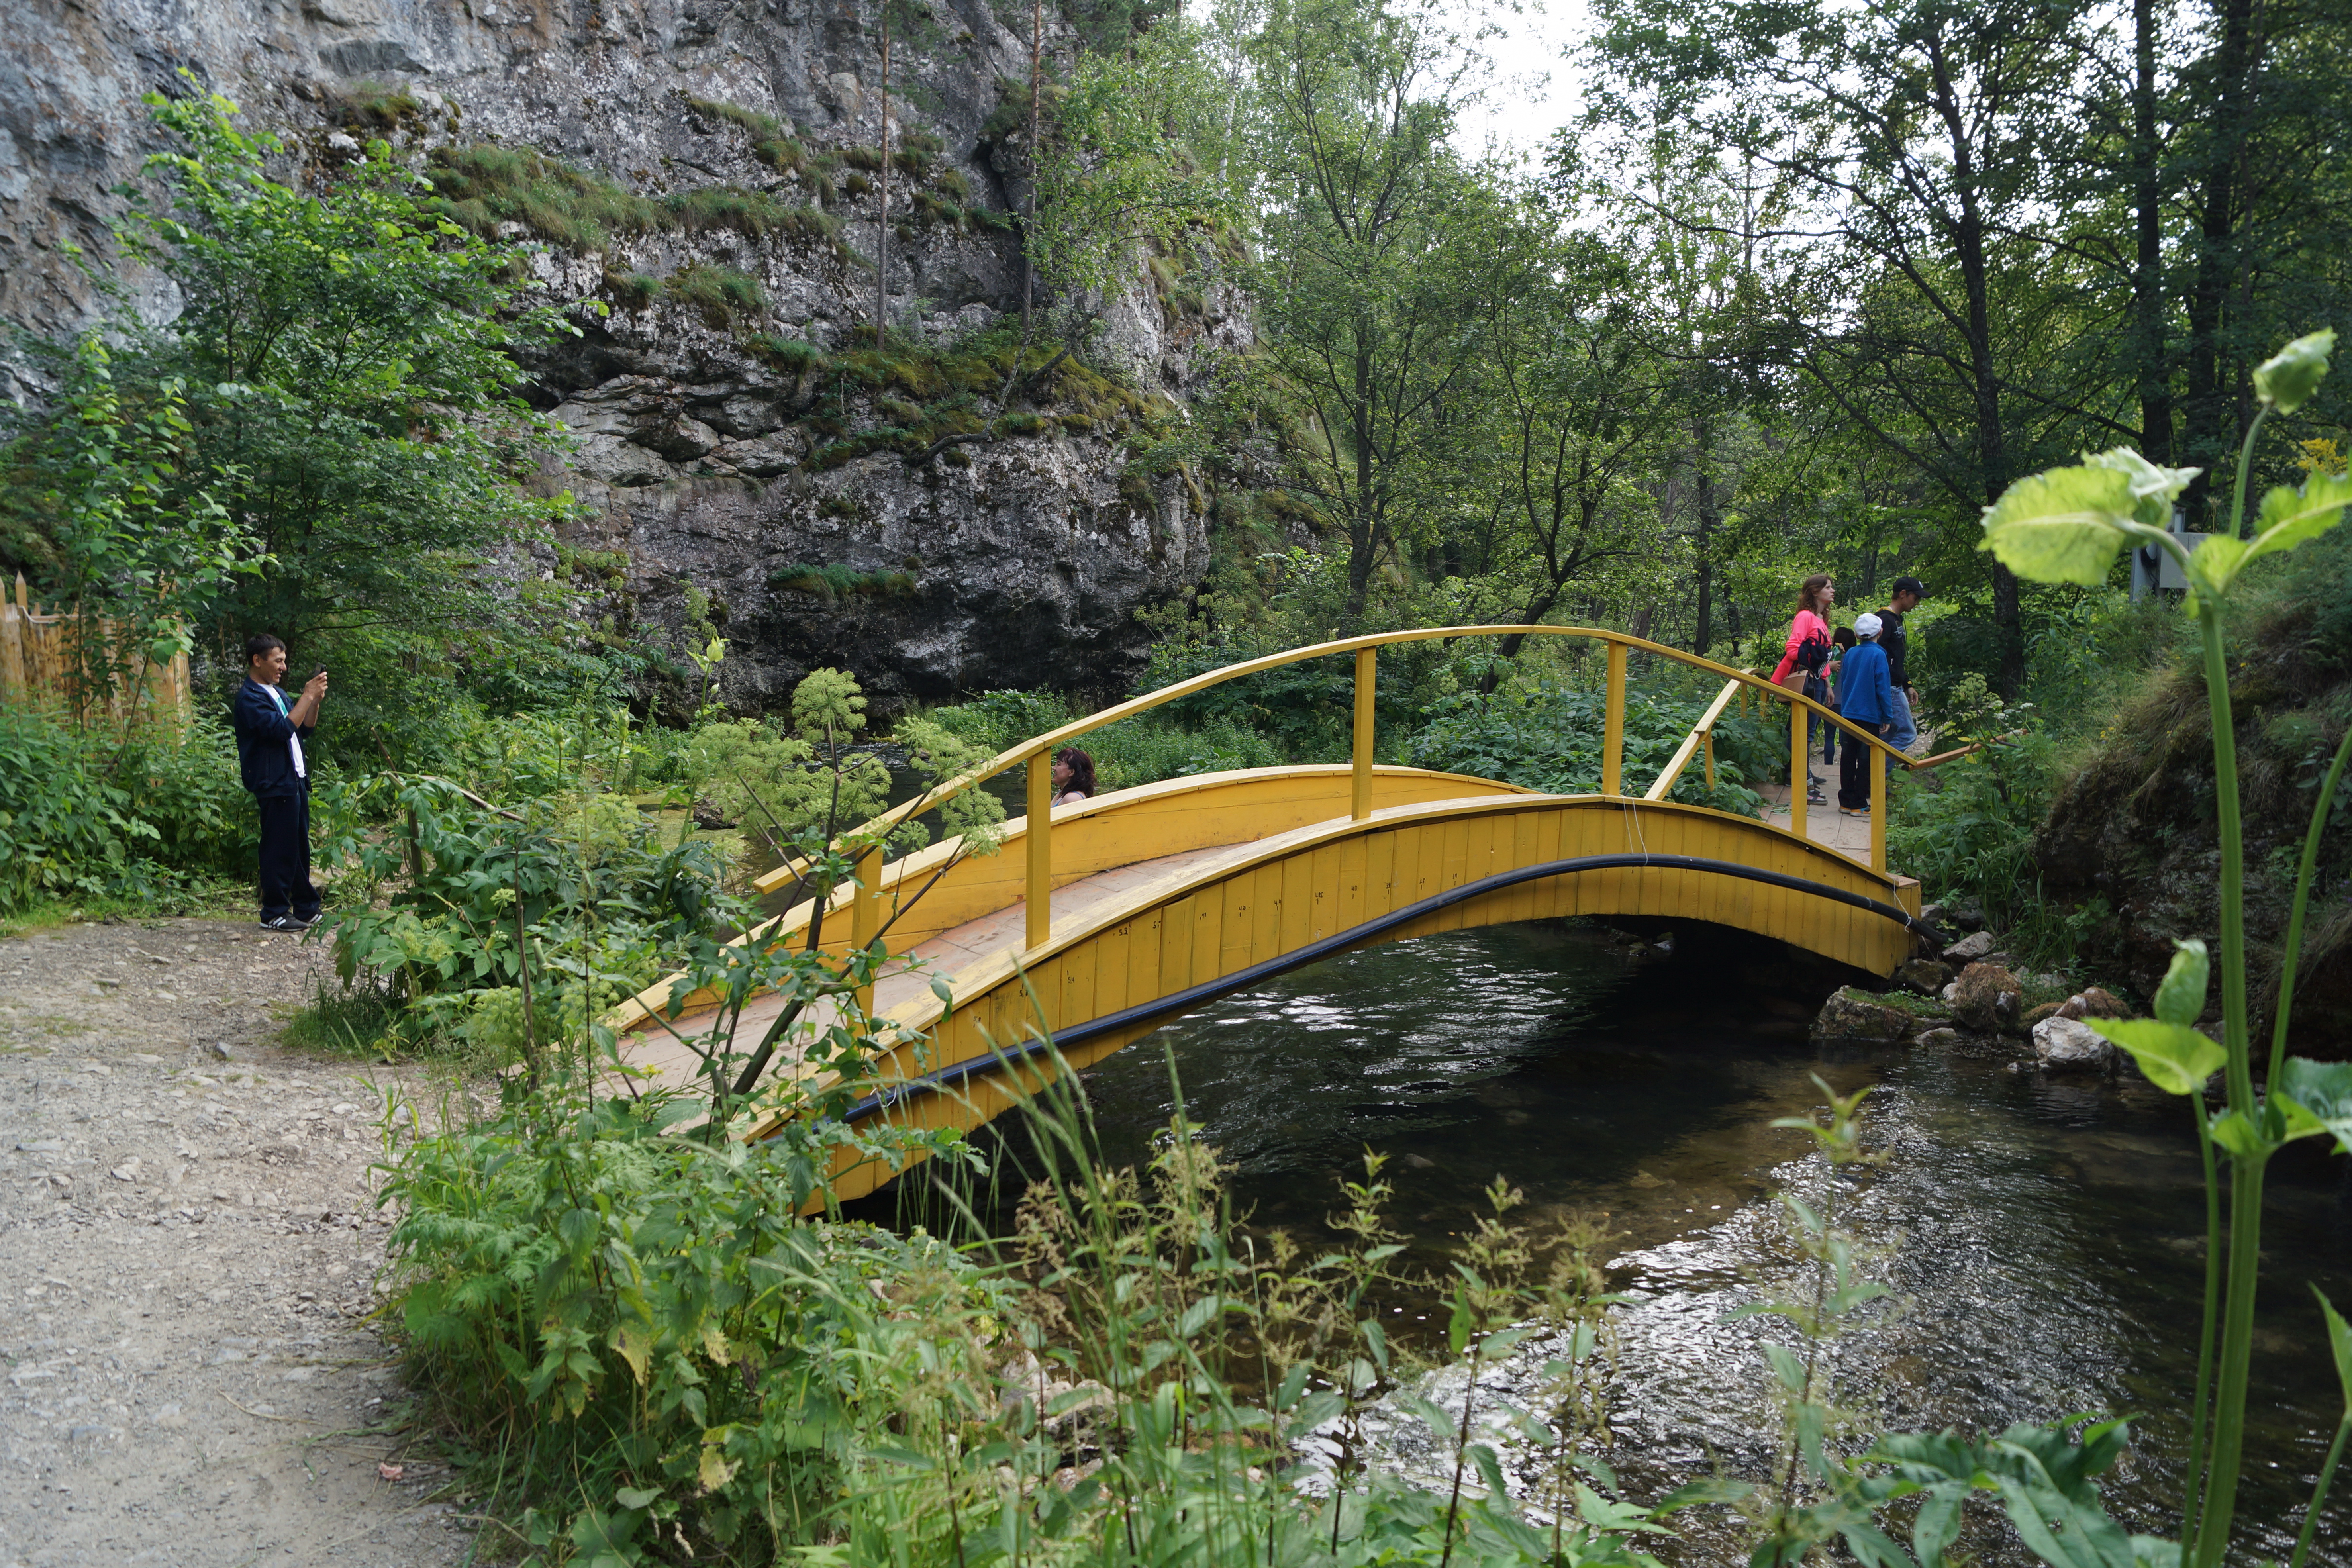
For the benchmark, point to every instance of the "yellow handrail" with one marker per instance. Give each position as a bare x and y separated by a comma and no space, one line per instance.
1039,750
1702,732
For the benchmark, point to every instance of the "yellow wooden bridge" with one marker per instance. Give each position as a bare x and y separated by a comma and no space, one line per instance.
1104,919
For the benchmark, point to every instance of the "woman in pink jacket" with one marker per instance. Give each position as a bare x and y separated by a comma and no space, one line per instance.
1807,652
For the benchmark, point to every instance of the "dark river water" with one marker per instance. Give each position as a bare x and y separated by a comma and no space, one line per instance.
2042,1239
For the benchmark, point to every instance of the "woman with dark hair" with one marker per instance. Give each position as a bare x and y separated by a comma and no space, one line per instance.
1073,776
1807,652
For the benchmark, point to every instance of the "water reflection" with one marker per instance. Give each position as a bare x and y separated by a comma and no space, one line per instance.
2044,1239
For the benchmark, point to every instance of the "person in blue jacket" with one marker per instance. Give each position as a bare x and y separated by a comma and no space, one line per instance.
1865,697
269,735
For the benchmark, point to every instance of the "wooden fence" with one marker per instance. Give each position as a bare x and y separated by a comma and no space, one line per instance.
41,666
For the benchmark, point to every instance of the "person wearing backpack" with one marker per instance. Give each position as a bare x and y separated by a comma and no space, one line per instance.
1867,698
271,730
1906,597
1807,652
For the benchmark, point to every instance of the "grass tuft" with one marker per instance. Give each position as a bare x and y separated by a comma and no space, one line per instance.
631,290
835,583
750,119
372,106
719,292
481,187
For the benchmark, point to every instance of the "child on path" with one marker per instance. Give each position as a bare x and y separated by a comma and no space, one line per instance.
1868,701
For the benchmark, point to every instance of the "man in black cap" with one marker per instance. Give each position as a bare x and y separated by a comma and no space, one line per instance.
1903,729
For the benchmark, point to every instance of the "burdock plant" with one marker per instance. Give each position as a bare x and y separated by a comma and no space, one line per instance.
2066,526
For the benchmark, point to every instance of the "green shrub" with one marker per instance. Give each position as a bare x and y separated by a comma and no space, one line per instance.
1142,750
64,827
1548,738
588,876
867,158
953,183
97,812
856,185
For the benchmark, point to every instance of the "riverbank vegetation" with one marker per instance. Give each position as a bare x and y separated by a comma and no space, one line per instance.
1649,379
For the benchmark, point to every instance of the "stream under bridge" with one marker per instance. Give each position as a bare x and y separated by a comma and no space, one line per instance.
1100,920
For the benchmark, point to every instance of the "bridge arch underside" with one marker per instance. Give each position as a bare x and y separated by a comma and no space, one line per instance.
1106,979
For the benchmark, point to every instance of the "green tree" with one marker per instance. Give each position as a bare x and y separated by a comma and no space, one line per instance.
347,362
1909,131
1376,248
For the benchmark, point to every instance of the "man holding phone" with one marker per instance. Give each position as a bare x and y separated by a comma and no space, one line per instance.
269,735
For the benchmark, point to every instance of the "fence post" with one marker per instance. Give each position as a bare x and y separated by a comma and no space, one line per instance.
1041,862
1613,736
1800,773
1360,804
1707,741
866,913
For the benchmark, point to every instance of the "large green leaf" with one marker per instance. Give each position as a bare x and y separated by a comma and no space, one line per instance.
2153,486
2288,378
2216,564
2340,1345
2181,997
2290,517
2062,526
2322,1092
2176,1058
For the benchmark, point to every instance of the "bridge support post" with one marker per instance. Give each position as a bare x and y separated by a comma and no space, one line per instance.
866,913
1040,896
1882,778
1360,804
1800,772
1613,737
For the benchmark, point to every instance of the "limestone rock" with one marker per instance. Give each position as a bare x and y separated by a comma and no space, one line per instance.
1969,948
697,455
1941,1039
1977,995
2068,1045
1852,1015
1925,975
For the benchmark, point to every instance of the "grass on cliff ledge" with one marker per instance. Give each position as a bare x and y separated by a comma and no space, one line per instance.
481,187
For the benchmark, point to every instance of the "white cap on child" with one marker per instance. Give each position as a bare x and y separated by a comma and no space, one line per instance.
1866,625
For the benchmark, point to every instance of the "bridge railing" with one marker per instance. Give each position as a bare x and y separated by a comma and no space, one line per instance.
1037,753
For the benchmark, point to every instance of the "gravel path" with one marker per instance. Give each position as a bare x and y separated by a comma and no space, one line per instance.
187,1259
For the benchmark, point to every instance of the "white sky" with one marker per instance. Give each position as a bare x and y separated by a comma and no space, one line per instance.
1528,87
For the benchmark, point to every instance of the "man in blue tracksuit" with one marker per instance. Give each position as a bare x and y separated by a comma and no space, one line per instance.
1865,697
269,735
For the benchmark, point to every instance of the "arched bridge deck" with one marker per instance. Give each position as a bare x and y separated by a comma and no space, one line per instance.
1129,907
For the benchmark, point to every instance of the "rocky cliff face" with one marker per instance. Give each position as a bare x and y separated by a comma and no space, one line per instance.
713,184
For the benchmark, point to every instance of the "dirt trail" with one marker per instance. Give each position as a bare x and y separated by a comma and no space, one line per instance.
187,1256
